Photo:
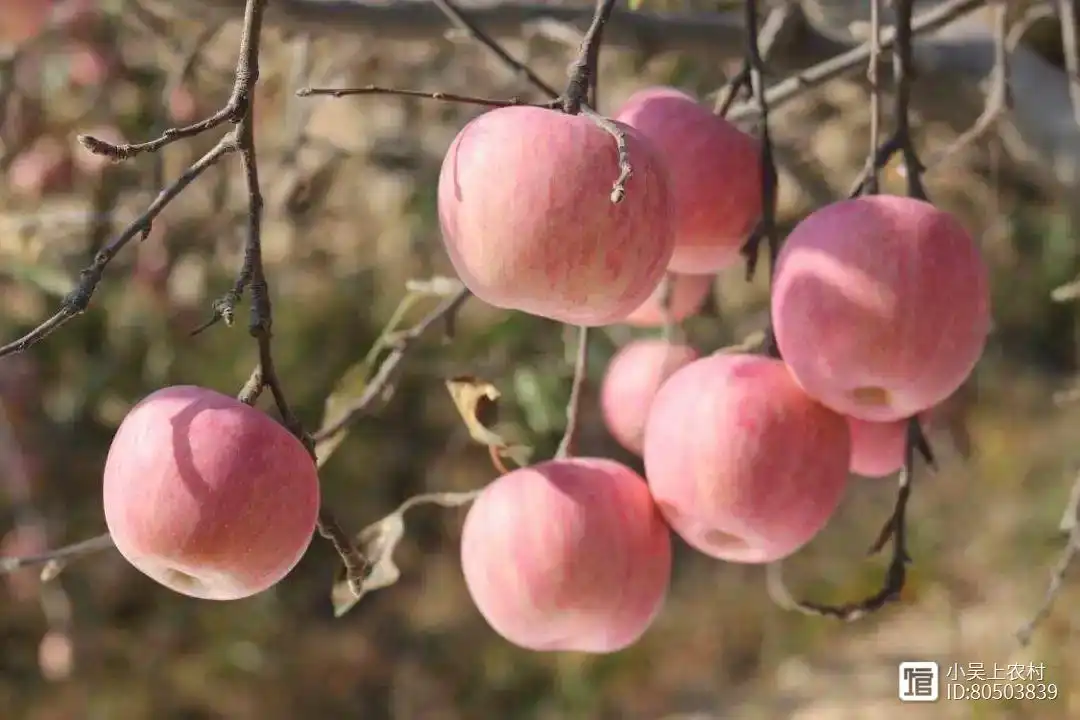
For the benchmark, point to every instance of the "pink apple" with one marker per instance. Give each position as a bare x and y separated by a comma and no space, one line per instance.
208,496
684,296
877,448
881,306
715,176
526,215
567,555
744,466
630,383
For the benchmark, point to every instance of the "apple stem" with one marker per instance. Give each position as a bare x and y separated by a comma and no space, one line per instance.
583,70
580,94
573,406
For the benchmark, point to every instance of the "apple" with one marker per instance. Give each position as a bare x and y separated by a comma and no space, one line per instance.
683,295
877,448
880,306
527,218
631,381
715,176
744,466
567,555
208,496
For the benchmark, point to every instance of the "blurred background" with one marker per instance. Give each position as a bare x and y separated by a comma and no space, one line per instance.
350,189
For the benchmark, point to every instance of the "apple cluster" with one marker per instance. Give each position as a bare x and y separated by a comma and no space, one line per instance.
879,308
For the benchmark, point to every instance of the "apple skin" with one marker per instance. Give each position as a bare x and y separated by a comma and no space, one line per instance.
881,306
877,449
524,202
715,176
744,466
567,555
631,381
685,297
208,496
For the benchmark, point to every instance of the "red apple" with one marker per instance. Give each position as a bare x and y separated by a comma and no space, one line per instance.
567,555
744,466
880,306
877,448
525,208
684,296
630,383
208,496
715,176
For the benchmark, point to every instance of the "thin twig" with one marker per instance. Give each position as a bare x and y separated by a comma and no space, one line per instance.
766,227
901,140
581,71
518,68
573,405
1057,579
794,86
903,70
386,373
998,99
871,185
442,96
740,83
68,552
78,300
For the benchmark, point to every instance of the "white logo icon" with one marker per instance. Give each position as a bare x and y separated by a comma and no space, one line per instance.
918,681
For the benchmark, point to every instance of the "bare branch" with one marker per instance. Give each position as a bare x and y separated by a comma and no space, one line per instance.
473,31
78,299
387,371
766,228
837,66
63,554
1057,578
441,96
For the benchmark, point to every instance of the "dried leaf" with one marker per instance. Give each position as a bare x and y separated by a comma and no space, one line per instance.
476,401
378,541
